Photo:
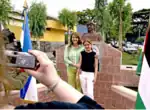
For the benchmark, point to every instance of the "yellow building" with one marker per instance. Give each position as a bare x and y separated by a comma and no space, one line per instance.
54,29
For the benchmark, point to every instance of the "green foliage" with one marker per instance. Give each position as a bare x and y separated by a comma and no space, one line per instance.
68,18
86,16
140,39
37,19
117,7
66,38
103,18
127,19
5,9
140,21
129,59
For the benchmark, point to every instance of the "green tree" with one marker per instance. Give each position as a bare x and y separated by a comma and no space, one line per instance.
140,21
102,17
121,13
140,40
37,20
5,9
85,16
68,18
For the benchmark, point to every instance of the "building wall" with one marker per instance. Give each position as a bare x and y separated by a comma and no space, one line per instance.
52,35
16,30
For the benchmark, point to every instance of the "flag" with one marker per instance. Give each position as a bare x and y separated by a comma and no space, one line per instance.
143,96
139,66
29,91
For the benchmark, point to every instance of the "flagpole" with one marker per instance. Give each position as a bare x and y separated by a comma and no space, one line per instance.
25,6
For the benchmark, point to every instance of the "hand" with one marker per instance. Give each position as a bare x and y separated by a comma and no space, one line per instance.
79,71
76,65
96,56
94,81
46,73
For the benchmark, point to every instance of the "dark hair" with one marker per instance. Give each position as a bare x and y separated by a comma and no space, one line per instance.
78,36
9,42
91,23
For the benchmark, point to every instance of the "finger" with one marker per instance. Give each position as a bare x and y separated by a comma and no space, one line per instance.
41,56
34,52
37,54
32,73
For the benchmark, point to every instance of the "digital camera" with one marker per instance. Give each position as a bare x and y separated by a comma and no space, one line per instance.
20,59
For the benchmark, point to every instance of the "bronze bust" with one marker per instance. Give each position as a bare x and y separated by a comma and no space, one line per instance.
92,35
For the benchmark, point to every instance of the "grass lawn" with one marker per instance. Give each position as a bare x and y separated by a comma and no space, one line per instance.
129,59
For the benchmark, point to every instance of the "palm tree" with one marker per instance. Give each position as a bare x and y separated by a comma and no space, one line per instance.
68,18
5,9
37,21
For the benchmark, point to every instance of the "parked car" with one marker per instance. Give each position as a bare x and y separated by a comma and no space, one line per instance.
130,49
114,44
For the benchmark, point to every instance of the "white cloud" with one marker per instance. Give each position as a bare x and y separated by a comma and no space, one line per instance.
139,4
54,6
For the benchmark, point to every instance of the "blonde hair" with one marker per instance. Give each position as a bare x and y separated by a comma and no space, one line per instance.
4,83
87,40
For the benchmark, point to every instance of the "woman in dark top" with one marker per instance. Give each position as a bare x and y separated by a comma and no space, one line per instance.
89,68
69,97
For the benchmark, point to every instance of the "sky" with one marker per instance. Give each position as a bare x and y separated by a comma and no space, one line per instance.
54,6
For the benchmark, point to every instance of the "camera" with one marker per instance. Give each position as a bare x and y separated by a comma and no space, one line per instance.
20,59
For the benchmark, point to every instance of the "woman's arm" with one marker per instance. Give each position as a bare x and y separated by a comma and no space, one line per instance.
80,62
96,69
66,56
67,93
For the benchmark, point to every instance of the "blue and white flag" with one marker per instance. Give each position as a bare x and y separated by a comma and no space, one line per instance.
29,92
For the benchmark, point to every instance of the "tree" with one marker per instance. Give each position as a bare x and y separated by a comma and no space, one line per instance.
140,21
121,13
85,16
102,17
68,18
5,9
37,20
